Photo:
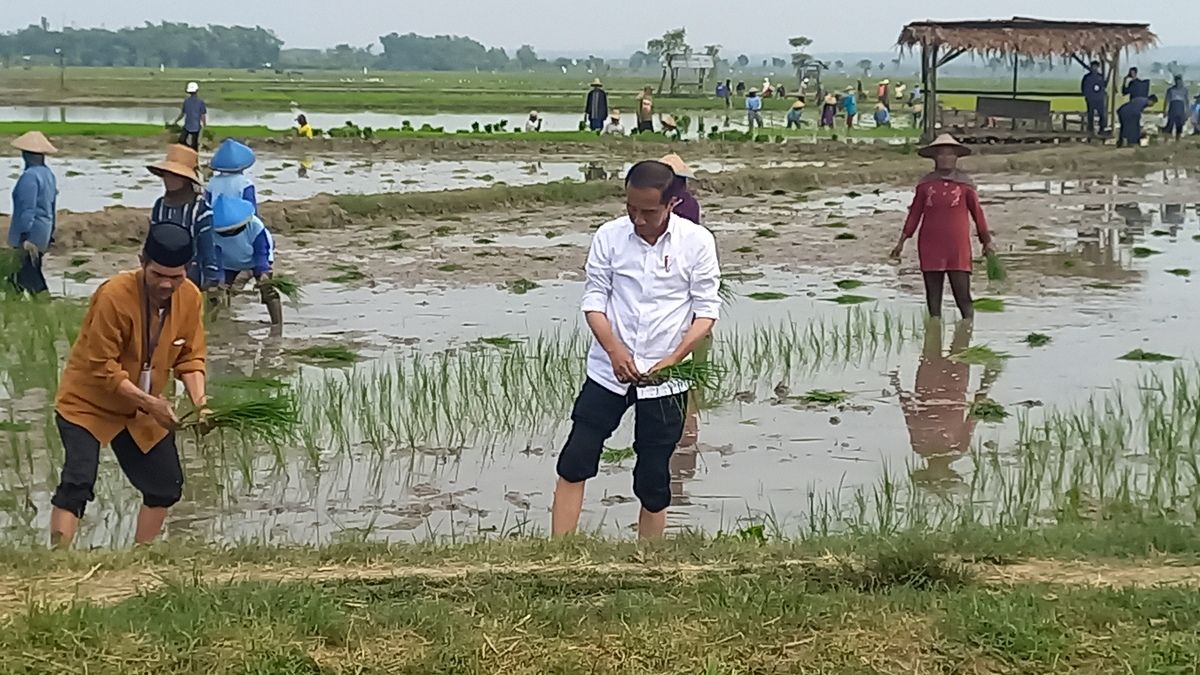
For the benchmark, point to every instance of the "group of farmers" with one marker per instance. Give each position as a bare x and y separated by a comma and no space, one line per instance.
1179,109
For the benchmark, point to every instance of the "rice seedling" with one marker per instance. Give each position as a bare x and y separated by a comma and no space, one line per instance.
442,230
822,397
1037,340
326,354
1180,272
616,455
1196,237
1147,357
995,268
78,261
837,225
1143,252
845,236
287,286
703,375
552,234
850,299
78,276
9,426
484,241
520,286
275,416
979,355
766,233
502,341
347,273
1160,233
726,292
987,410
1039,245
744,249
853,195
1104,286
250,383
848,284
766,295
989,305
450,267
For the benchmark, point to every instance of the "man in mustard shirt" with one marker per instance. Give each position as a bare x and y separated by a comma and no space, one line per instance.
140,326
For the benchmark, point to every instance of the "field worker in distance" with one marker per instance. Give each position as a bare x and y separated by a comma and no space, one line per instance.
795,114
245,250
652,294
670,128
1175,108
229,164
754,110
944,204
645,110
850,105
194,114
140,326
614,126
34,211
303,128
829,111
534,123
1130,117
1094,88
1196,116
183,205
595,110
883,116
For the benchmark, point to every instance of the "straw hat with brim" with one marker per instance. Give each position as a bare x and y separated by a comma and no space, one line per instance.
830,99
597,83
35,142
669,121
230,213
232,157
885,82
615,114
180,161
944,141
798,105
677,165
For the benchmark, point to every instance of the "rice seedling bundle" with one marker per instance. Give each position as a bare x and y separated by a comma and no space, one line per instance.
1037,340
1147,357
989,305
995,268
848,284
1143,252
987,410
979,355
703,375
287,286
274,416
821,397
1180,272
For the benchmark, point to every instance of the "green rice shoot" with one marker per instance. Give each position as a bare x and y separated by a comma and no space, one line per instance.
275,416
850,299
704,375
326,354
987,410
1147,357
766,295
616,455
1180,272
989,305
848,284
1037,340
1143,252
979,355
287,286
822,397
995,268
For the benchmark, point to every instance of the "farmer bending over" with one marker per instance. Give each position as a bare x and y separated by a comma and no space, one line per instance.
140,326
245,249
651,296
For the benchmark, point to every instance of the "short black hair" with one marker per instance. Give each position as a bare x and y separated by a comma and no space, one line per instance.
652,174
1095,64
1153,98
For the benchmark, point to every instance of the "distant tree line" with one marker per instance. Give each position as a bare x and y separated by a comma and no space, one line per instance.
177,45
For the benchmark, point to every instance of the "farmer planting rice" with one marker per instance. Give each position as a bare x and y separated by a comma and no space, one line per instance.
34,200
230,163
650,298
139,327
245,249
183,205
942,208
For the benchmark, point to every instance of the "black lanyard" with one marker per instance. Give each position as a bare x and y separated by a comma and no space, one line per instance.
148,346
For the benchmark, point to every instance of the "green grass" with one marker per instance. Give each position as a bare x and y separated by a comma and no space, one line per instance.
851,299
477,199
1180,272
1037,340
848,284
7,426
1147,357
334,354
989,305
1143,252
766,295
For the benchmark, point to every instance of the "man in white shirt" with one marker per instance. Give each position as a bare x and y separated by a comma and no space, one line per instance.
651,296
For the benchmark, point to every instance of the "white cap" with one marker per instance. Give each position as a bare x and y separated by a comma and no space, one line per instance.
192,87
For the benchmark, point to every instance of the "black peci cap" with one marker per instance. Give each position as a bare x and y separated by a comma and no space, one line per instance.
168,245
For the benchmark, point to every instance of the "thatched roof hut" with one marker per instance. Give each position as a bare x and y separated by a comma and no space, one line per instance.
1029,37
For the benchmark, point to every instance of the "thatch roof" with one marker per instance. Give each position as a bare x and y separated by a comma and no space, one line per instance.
1030,37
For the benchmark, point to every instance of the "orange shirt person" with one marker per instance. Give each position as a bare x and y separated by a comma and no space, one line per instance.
140,326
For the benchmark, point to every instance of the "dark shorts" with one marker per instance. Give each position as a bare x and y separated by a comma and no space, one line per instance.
156,474
647,125
596,125
190,139
658,426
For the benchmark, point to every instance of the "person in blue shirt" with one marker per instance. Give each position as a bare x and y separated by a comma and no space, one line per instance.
194,114
1134,86
33,215
1196,116
1176,108
245,249
184,205
1094,88
850,104
1130,115
883,117
754,110
230,163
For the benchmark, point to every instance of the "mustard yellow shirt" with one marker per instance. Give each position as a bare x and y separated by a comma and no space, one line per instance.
109,350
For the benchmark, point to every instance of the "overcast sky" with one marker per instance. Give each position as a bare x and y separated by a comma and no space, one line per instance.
605,25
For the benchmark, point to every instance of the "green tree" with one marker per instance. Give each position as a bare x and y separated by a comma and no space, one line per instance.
865,66
743,61
800,58
527,58
669,49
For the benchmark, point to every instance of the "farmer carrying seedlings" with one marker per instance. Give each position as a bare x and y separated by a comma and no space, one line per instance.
183,205
34,198
194,115
944,204
595,110
230,163
140,326
245,249
651,296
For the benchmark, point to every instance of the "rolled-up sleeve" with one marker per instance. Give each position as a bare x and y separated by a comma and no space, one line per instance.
107,329
598,282
192,354
706,279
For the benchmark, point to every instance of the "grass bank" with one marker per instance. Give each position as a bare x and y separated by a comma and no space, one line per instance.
688,605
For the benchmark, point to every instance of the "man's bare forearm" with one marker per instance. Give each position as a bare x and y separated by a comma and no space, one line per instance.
194,384
699,329
602,329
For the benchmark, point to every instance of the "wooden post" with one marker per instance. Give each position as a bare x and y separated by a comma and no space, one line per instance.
1112,87
933,112
928,94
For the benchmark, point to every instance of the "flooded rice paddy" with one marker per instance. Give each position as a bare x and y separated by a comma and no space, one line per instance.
448,419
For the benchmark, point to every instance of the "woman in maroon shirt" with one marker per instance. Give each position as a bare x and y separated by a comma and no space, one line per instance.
687,206
942,209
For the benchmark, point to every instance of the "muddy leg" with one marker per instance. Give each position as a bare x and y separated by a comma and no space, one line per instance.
960,286
934,287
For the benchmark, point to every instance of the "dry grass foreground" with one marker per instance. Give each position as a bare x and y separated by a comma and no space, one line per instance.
572,610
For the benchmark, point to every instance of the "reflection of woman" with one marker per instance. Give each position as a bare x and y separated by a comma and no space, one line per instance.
943,207
937,412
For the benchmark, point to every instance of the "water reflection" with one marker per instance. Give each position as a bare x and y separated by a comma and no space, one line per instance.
937,410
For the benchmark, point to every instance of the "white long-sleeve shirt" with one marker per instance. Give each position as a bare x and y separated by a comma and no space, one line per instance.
650,294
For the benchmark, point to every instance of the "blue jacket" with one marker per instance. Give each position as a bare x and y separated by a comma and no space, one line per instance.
230,185
1093,86
249,248
34,198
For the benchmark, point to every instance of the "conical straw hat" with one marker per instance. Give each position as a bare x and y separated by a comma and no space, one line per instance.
181,161
677,165
35,142
944,141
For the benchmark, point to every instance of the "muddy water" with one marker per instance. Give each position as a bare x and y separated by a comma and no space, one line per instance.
760,453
